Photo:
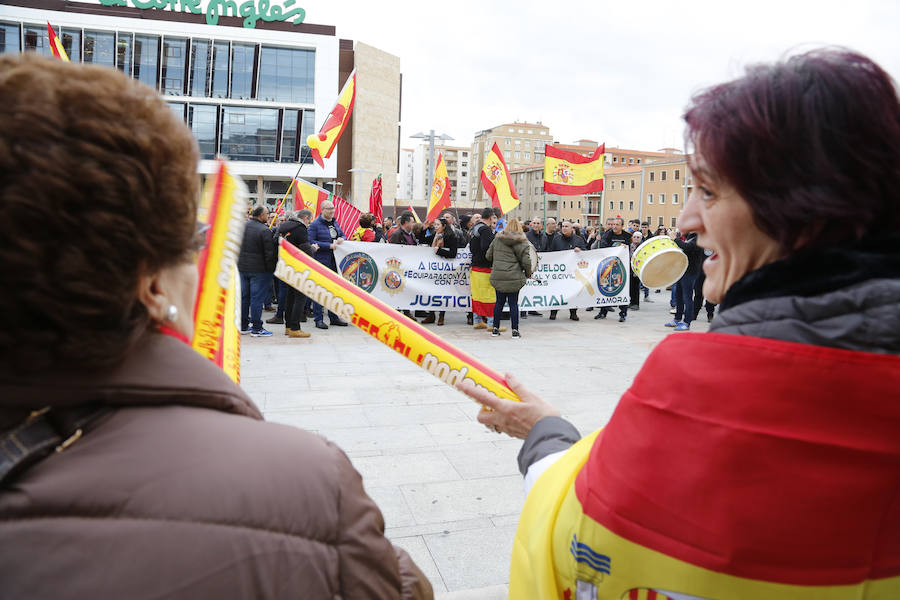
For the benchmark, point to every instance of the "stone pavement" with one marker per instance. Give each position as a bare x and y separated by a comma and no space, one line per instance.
449,489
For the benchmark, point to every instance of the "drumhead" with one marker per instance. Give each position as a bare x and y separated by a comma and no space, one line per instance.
664,268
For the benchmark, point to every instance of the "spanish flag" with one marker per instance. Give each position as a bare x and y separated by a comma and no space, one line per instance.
217,307
323,144
571,174
56,46
440,191
497,182
773,495
307,195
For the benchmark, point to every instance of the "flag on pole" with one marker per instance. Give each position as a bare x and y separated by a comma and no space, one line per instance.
56,46
346,215
323,144
309,196
497,182
440,190
415,215
375,200
571,174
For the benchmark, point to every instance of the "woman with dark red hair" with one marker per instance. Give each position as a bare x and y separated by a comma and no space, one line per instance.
768,466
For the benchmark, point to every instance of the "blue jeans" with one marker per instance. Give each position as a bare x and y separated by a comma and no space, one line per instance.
318,311
255,289
513,299
282,294
684,299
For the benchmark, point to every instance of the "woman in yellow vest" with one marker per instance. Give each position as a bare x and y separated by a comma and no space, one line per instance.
768,467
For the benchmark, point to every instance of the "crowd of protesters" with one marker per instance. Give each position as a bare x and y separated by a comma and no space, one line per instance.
493,294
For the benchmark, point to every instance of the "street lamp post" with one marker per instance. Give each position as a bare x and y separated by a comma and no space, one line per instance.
430,136
356,187
335,187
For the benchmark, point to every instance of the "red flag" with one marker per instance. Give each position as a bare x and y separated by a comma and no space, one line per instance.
56,46
375,201
346,215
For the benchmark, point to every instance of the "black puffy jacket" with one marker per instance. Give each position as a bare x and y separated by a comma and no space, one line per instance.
258,249
694,254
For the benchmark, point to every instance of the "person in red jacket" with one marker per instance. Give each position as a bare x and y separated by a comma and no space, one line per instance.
768,466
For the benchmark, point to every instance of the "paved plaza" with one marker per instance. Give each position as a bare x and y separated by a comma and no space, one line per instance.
449,489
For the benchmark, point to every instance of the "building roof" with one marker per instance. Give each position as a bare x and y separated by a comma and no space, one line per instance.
622,170
576,148
616,150
531,167
521,124
490,129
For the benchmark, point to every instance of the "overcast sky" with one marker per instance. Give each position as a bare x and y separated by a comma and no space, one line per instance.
620,72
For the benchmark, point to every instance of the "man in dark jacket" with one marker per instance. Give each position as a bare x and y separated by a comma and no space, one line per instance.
403,232
535,234
256,263
294,230
483,296
616,235
403,236
326,234
566,239
551,230
684,293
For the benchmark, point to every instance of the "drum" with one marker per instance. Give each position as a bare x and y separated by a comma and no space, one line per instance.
659,262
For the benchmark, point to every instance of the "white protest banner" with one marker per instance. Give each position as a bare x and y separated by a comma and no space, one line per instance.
407,277
569,279
415,278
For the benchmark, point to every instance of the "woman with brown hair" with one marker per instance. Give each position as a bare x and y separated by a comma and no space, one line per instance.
513,260
366,230
445,244
166,481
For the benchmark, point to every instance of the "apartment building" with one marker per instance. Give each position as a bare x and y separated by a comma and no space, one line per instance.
666,185
522,144
405,177
621,193
457,159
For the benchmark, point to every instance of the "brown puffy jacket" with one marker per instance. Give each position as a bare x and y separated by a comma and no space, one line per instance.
183,491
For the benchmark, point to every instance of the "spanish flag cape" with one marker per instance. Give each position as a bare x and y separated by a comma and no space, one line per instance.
733,468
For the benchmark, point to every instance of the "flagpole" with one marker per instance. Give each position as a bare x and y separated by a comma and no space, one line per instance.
290,186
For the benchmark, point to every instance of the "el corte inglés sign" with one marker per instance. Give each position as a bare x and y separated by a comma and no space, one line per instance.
251,10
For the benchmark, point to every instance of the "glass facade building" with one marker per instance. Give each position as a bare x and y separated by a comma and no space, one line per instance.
273,86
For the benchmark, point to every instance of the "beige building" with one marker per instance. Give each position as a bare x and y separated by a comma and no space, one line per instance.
522,144
374,131
621,193
666,185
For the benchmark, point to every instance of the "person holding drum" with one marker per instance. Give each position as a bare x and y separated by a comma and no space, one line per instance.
769,465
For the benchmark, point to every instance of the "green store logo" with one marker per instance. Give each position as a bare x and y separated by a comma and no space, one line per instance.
251,10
